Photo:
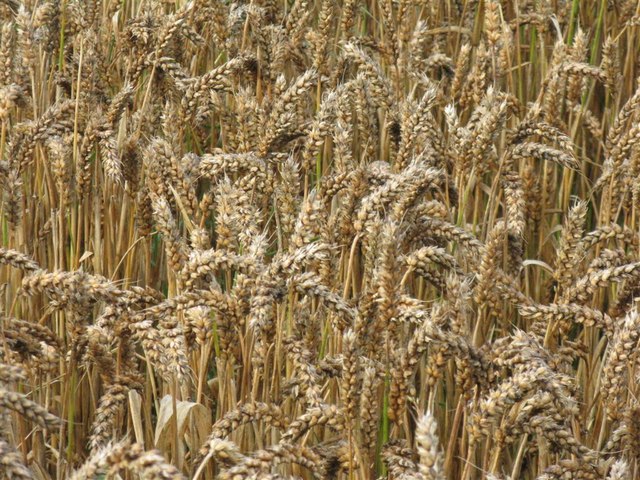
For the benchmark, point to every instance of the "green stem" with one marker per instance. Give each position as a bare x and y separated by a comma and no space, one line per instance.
381,469
575,7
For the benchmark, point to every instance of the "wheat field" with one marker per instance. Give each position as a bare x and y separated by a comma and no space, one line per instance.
319,239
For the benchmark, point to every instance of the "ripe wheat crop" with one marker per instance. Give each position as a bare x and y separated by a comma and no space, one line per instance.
319,239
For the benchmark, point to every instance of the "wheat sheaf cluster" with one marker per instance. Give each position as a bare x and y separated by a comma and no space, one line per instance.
319,239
